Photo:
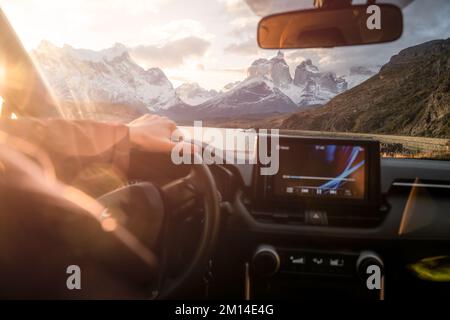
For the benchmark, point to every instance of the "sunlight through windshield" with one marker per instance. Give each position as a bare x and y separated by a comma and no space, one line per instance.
116,60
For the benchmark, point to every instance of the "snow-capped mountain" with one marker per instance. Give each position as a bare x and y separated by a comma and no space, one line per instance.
256,95
230,86
252,97
193,94
268,89
316,87
308,87
110,75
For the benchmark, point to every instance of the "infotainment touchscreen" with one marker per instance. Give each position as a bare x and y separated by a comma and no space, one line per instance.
311,169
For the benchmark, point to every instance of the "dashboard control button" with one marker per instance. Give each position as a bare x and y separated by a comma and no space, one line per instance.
299,260
365,260
316,217
266,261
339,265
318,263
337,262
296,262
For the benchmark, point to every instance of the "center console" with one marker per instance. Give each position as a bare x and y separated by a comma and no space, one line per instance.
322,225
320,181
321,184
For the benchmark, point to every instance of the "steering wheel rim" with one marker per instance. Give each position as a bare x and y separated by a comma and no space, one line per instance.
201,179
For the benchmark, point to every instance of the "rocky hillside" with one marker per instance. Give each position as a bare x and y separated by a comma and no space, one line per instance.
409,96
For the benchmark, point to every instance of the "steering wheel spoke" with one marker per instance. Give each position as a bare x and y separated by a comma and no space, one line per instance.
180,194
198,185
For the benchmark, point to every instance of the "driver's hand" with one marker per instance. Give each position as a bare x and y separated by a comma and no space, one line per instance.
153,133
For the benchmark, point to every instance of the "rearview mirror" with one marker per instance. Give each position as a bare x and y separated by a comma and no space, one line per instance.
319,28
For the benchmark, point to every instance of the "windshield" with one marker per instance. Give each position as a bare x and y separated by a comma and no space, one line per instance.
199,61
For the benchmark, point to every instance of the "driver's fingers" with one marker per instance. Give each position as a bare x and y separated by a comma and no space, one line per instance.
172,125
143,118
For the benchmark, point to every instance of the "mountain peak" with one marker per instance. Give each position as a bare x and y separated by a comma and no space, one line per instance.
309,86
270,69
45,45
119,46
279,59
308,66
425,50
116,51
157,76
105,76
430,47
304,72
189,85
193,94
156,72
279,56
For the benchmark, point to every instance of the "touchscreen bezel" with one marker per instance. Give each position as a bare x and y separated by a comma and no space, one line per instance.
264,191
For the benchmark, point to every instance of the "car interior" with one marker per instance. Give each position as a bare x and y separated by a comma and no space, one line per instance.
340,204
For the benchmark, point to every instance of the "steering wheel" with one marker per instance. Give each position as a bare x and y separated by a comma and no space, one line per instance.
164,205
199,182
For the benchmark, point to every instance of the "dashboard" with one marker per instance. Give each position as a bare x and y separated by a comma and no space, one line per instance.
283,238
333,207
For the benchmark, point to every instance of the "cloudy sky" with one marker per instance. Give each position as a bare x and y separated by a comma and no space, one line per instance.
211,42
